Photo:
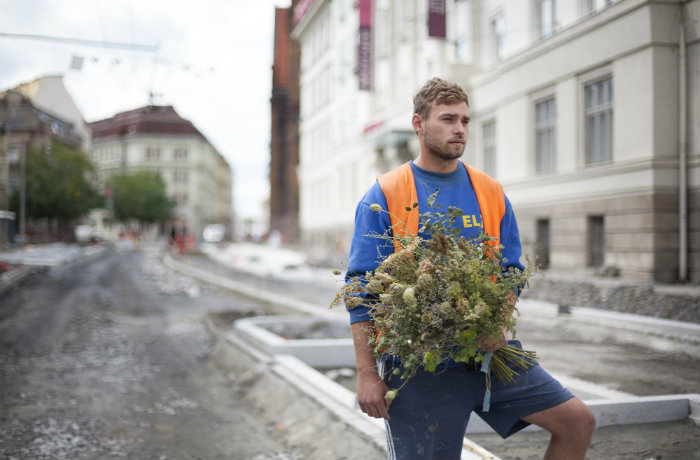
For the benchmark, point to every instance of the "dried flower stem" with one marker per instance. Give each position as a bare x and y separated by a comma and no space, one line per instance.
433,299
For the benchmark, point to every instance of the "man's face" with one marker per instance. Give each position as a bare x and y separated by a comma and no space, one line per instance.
445,130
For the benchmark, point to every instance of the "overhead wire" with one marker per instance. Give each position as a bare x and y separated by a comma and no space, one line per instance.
82,41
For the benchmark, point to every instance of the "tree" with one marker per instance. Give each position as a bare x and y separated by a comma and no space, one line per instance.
58,184
141,196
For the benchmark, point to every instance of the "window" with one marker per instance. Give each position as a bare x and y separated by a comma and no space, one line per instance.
459,28
490,148
498,31
153,153
599,120
13,154
180,153
542,248
545,119
14,113
593,6
546,17
181,199
180,176
596,241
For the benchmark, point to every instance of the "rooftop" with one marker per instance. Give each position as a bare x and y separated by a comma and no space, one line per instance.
151,119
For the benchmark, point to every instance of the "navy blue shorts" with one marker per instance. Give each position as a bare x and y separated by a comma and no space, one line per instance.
430,414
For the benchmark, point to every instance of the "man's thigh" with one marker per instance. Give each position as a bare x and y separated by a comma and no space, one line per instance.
560,418
533,391
430,413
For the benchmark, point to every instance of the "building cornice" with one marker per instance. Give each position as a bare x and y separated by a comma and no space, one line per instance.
579,29
300,27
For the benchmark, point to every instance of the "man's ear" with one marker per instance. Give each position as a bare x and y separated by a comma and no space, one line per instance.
417,123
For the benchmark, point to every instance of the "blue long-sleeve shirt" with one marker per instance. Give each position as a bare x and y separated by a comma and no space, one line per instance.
454,189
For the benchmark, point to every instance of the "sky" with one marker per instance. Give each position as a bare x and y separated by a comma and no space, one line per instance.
210,59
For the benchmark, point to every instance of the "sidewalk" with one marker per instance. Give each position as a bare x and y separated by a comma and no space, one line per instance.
25,261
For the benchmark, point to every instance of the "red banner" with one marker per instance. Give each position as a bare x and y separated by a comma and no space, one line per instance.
364,50
365,7
436,19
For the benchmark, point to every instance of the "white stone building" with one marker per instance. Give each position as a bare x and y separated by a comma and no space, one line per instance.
156,138
587,111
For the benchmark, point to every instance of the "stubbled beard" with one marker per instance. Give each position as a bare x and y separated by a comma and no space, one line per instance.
442,150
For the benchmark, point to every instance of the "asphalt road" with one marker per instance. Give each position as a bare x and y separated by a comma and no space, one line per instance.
108,358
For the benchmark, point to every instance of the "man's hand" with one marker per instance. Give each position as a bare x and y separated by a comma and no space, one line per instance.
370,394
371,389
494,341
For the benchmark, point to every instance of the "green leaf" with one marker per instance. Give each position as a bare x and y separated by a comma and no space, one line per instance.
464,355
431,361
431,199
466,338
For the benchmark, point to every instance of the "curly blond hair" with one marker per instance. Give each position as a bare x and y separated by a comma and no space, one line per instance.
437,91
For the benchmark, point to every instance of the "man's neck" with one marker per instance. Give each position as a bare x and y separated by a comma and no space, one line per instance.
437,165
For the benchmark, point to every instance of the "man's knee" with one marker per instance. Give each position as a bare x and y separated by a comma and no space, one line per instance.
585,417
569,419
577,421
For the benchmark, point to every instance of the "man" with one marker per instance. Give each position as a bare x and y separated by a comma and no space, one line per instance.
428,418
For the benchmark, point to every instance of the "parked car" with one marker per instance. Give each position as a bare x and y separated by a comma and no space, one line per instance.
213,233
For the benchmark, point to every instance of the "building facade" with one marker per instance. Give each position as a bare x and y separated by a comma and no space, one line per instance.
25,125
284,131
49,94
333,168
587,111
156,138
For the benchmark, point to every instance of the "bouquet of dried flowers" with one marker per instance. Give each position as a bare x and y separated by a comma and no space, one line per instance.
433,299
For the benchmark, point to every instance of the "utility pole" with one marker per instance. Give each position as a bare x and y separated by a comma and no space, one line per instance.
22,237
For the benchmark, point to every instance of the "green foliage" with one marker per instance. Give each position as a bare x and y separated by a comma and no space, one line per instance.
58,184
434,300
141,196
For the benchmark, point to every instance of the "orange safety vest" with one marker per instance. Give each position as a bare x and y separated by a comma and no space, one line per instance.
399,188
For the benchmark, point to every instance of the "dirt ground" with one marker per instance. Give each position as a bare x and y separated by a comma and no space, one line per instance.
109,358
657,441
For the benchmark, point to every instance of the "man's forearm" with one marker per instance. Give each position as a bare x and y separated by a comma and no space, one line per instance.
364,356
371,389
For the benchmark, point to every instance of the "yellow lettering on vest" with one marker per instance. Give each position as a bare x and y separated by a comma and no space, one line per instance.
470,221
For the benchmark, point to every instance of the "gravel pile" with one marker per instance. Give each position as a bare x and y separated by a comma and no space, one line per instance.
673,302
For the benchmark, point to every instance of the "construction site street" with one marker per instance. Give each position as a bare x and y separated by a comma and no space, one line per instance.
110,353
